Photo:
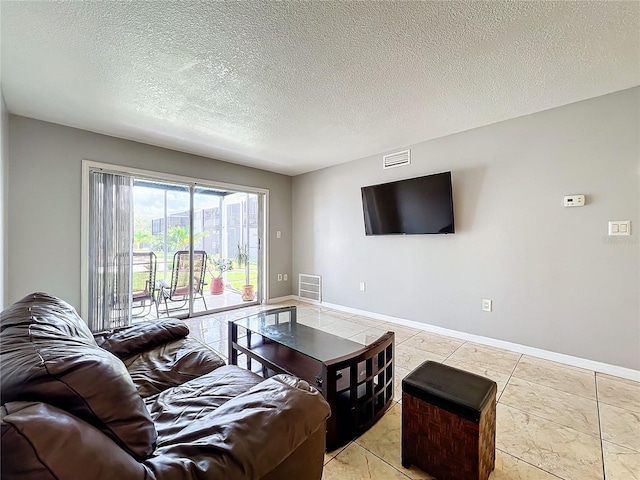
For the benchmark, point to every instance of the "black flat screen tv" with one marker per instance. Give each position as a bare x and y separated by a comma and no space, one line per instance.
416,206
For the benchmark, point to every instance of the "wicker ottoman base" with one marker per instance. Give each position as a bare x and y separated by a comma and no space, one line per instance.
445,444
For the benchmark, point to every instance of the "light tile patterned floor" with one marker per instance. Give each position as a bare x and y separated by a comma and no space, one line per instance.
553,420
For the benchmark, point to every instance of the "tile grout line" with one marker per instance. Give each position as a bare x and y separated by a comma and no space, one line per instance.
510,377
528,463
541,384
579,430
355,440
342,449
550,421
609,404
556,389
380,458
604,470
454,351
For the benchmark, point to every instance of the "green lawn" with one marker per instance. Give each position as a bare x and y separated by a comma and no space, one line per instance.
236,277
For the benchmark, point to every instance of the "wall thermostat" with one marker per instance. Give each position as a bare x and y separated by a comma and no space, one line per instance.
574,200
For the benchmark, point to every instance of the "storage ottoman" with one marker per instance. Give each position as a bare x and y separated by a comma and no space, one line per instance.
449,422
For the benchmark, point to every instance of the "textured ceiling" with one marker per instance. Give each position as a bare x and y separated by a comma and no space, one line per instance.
296,86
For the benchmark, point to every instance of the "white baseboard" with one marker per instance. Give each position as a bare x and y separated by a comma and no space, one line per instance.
282,299
601,367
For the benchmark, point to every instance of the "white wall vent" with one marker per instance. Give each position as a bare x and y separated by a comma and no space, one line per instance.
397,159
310,287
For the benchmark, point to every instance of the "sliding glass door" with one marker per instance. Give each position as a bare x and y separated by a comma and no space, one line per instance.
223,228
219,226
162,228
190,249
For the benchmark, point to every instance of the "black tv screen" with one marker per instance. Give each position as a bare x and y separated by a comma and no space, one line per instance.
422,205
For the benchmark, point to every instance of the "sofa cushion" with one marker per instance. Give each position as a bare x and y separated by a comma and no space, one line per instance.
170,365
42,442
132,340
233,424
48,355
200,396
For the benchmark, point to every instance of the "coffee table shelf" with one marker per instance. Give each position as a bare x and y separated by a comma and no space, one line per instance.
356,380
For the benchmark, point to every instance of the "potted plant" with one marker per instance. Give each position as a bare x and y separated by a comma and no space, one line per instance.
242,258
216,267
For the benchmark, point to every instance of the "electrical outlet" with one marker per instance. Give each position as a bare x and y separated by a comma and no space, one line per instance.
487,305
279,277
363,287
285,277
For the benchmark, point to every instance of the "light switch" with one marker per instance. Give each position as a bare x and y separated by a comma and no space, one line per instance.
487,305
620,227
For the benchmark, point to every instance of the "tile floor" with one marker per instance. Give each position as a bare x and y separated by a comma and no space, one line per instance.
553,420
148,311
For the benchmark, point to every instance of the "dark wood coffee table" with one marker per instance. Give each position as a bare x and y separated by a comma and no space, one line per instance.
356,380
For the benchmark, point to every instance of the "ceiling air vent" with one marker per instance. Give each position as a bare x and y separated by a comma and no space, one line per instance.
397,159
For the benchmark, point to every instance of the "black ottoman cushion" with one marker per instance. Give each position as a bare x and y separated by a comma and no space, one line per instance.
461,393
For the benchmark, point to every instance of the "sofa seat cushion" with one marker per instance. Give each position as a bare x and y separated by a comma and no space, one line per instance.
200,396
170,365
232,424
49,356
129,341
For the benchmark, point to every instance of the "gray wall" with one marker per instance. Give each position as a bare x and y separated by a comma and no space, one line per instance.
557,281
4,162
44,195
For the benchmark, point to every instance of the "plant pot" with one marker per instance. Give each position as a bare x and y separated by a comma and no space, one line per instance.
217,286
248,293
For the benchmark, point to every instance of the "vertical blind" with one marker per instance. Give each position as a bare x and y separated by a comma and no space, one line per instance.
110,242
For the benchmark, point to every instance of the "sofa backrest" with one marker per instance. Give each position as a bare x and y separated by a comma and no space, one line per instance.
51,313
49,355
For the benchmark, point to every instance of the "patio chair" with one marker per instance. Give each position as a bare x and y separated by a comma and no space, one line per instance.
144,283
178,289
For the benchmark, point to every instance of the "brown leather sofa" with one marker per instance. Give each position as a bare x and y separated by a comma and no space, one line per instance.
144,402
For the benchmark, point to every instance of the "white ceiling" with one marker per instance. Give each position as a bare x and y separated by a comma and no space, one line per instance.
291,87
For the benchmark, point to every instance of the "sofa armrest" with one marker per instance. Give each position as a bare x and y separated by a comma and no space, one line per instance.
247,437
132,340
42,442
